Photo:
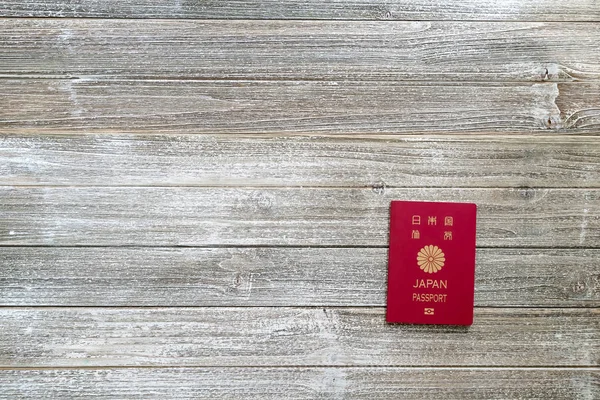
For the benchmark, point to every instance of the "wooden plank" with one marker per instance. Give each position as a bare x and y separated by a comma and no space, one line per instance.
167,216
302,383
523,10
33,276
227,160
580,107
183,106
328,50
269,336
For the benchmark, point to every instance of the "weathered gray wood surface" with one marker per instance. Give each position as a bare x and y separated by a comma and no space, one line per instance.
522,10
267,336
167,216
151,165
332,50
303,383
42,276
225,106
225,160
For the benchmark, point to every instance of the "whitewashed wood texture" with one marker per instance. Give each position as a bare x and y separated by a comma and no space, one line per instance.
522,10
186,216
331,50
103,105
302,383
292,336
276,276
194,196
377,161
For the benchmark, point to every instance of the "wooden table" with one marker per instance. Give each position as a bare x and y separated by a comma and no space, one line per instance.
194,196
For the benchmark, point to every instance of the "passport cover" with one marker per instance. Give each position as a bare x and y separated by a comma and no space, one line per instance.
431,271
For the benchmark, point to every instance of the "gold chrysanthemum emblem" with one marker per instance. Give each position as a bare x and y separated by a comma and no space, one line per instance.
431,259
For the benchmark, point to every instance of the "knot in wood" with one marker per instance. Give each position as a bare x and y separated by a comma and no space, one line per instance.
379,187
527,193
552,122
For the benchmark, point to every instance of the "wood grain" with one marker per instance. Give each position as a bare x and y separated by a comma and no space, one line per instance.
167,216
523,10
303,383
276,277
580,108
245,160
182,106
326,50
269,336
172,227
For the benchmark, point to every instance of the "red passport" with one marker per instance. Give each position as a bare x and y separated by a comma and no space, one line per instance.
431,271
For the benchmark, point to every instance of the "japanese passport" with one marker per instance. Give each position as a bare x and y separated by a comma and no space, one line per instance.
431,271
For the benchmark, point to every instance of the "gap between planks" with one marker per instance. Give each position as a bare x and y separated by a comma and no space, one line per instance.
324,306
261,246
359,20
318,366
